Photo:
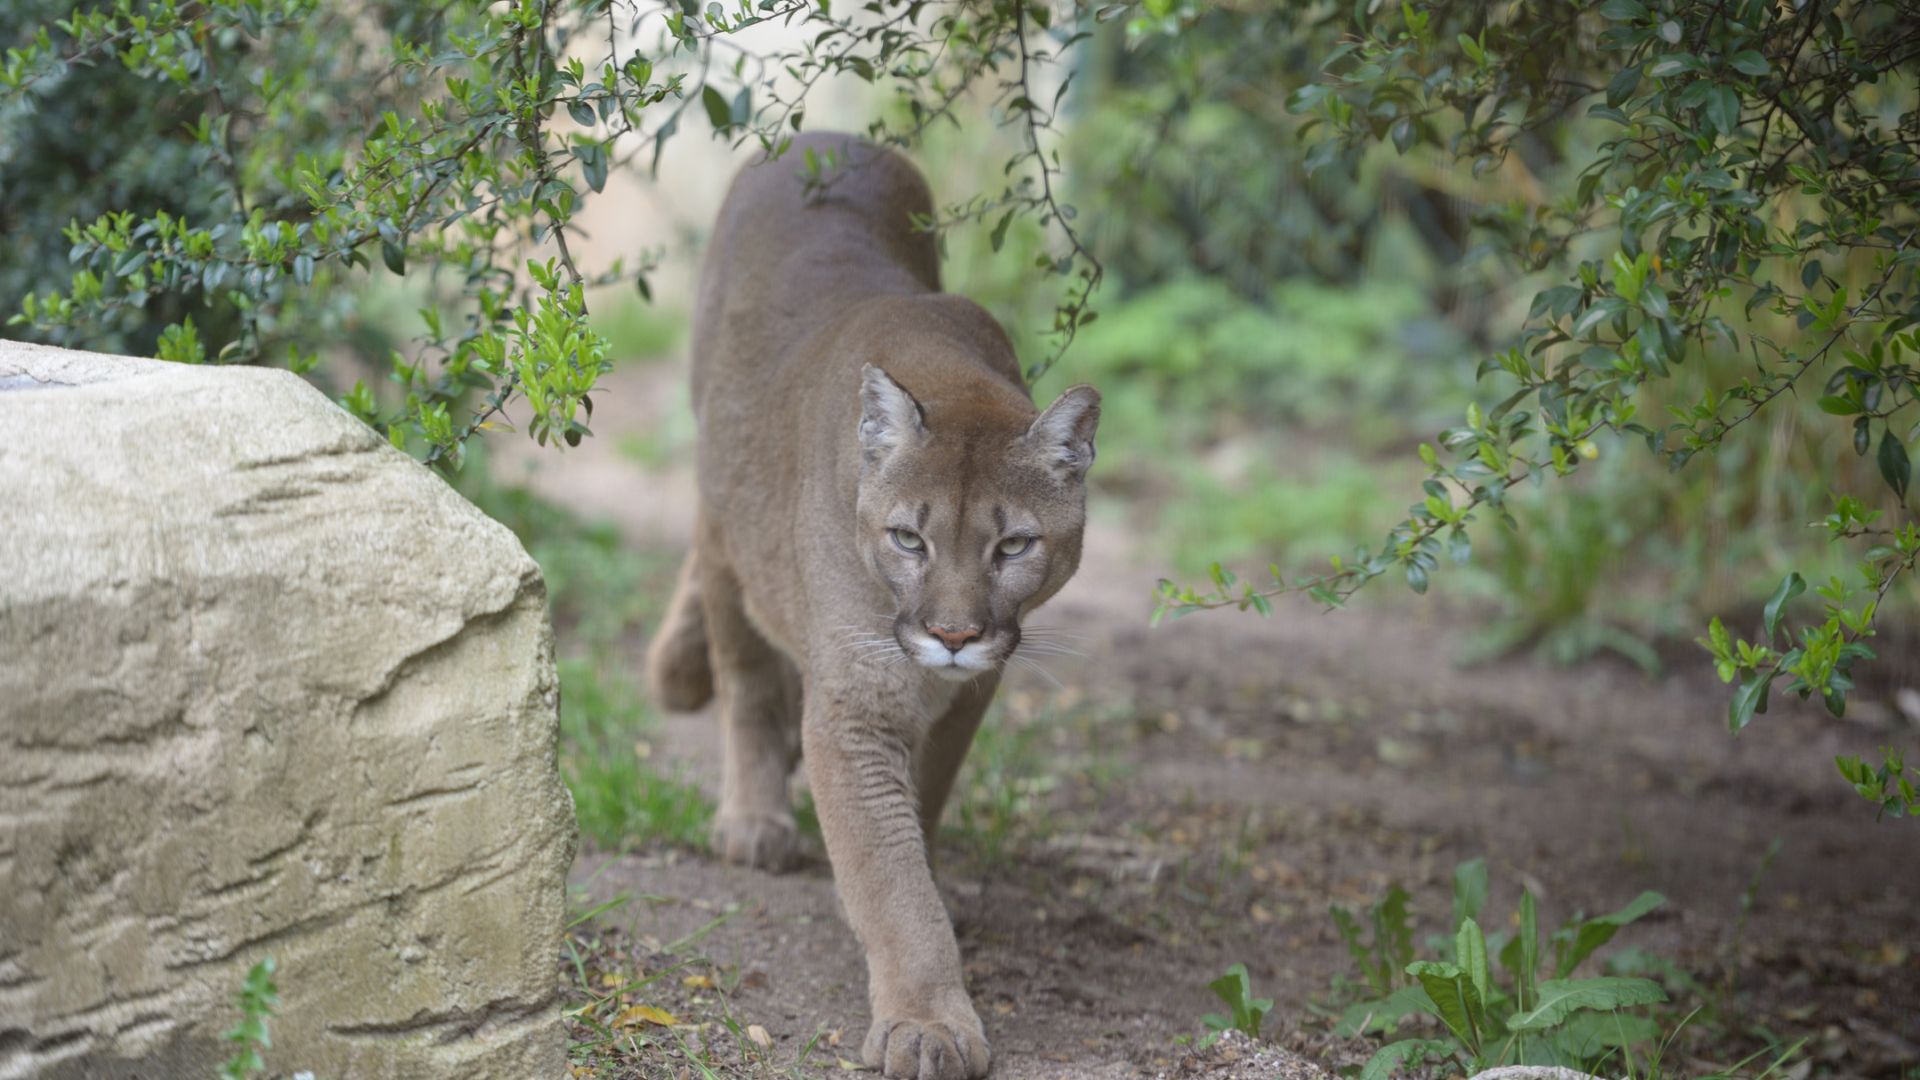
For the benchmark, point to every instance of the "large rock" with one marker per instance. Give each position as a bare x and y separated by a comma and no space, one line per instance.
267,687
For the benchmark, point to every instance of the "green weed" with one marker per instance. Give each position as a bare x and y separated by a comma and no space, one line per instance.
1245,1012
258,998
1540,1014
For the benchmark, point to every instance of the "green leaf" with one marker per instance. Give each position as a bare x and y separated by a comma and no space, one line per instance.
999,234
1469,890
1623,84
1382,1015
1585,1034
1751,698
1561,998
719,111
394,256
1790,586
1393,1057
1454,999
1402,133
1575,943
1749,62
1723,110
1236,990
1895,467
1470,952
1459,546
1603,309
593,165
1529,958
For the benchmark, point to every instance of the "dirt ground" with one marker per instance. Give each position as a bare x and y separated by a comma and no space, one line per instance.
1223,779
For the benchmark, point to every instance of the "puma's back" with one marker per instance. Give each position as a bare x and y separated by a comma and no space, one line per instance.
881,506
784,261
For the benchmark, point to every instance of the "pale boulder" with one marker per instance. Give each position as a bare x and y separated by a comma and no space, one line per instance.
267,686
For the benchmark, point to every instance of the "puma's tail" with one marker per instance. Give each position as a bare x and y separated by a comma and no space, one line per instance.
677,663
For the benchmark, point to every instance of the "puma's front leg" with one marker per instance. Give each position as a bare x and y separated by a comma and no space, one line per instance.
860,765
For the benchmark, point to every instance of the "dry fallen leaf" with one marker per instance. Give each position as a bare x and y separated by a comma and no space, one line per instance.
698,982
647,1014
848,1066
753,980
759,1036
833,1037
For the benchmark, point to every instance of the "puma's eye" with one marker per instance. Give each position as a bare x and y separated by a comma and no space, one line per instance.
907,540
1014,545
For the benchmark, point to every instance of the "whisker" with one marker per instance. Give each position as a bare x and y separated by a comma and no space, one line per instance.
1048,639
1057,631
1048,648
873,650
1027,662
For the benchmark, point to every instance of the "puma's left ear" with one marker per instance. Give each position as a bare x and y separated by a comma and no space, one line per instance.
1063,434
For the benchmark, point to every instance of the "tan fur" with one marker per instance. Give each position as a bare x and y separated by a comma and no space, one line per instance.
677,663
841,396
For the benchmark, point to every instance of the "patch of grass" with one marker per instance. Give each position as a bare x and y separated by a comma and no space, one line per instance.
667,441
1002,789
600,589
618,797
602,594
1272,515
1026,762
637,330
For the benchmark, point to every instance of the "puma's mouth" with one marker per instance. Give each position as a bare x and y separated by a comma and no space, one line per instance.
971,659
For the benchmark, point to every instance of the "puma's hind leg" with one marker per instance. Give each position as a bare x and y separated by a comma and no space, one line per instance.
759,707
679,669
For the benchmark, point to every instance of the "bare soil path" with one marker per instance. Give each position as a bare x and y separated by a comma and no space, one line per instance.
1207,788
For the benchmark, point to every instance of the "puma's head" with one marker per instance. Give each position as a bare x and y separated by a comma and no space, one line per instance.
971,517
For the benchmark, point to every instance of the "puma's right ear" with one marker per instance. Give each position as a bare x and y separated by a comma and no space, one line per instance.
889,417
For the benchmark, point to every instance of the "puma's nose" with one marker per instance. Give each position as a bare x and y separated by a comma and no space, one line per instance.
951,638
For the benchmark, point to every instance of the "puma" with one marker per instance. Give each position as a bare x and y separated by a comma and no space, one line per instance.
880,507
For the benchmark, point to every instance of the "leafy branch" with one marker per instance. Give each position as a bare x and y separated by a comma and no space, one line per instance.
1713,228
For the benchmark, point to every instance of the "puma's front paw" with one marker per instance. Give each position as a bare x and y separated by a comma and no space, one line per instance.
950,1046
763,841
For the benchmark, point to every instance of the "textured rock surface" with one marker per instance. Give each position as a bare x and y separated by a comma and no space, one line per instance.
266,687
